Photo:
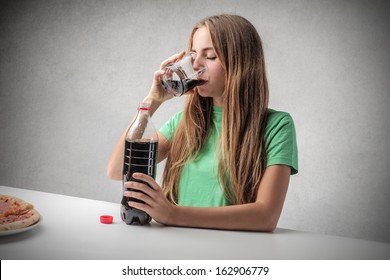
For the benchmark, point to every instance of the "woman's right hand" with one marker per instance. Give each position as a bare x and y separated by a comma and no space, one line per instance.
157,92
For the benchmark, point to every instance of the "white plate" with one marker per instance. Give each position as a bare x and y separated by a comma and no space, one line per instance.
16,231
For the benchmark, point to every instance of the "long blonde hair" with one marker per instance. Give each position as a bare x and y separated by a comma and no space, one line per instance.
245,101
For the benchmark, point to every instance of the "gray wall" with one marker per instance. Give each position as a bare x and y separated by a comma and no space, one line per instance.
73,72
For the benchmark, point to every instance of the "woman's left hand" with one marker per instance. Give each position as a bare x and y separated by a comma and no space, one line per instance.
156,204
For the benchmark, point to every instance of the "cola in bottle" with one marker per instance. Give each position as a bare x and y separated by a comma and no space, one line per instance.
140,155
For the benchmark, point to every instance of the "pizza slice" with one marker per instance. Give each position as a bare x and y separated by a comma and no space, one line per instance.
16,213
12,222
10,205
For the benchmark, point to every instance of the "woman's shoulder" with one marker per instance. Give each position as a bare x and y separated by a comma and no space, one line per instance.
177,116
275,117
278,123
280,137
169,127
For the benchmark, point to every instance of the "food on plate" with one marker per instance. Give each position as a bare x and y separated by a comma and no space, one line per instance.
16,213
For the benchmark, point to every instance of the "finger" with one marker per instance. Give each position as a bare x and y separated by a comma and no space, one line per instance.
140,196
172,59
158,74
147,179
140,206
140,187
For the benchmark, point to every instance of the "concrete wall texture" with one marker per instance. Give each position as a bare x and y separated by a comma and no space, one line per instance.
73,72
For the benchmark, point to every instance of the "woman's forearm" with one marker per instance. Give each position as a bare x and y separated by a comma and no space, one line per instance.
262,215
251,216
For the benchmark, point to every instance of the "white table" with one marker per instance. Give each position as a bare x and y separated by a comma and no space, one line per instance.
71,229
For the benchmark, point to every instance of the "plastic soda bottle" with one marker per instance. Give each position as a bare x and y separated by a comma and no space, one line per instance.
140,155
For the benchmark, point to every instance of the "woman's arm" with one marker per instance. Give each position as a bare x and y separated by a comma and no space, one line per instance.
262,215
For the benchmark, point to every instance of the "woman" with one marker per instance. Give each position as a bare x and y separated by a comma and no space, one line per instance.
229,157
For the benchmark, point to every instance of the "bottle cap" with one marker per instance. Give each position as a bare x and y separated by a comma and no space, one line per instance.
106,219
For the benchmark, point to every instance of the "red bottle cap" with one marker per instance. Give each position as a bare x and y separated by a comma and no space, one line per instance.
106,219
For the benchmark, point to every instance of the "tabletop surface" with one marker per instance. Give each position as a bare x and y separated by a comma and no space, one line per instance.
70,229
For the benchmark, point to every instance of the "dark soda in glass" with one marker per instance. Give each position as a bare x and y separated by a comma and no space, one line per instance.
179,87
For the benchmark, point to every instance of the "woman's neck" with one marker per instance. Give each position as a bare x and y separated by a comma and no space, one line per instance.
217,101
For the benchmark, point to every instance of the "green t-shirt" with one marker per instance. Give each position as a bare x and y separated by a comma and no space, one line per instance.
199,185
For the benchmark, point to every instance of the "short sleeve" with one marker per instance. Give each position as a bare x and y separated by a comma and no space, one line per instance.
169,127
281,143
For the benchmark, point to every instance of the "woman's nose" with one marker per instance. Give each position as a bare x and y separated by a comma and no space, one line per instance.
198,62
